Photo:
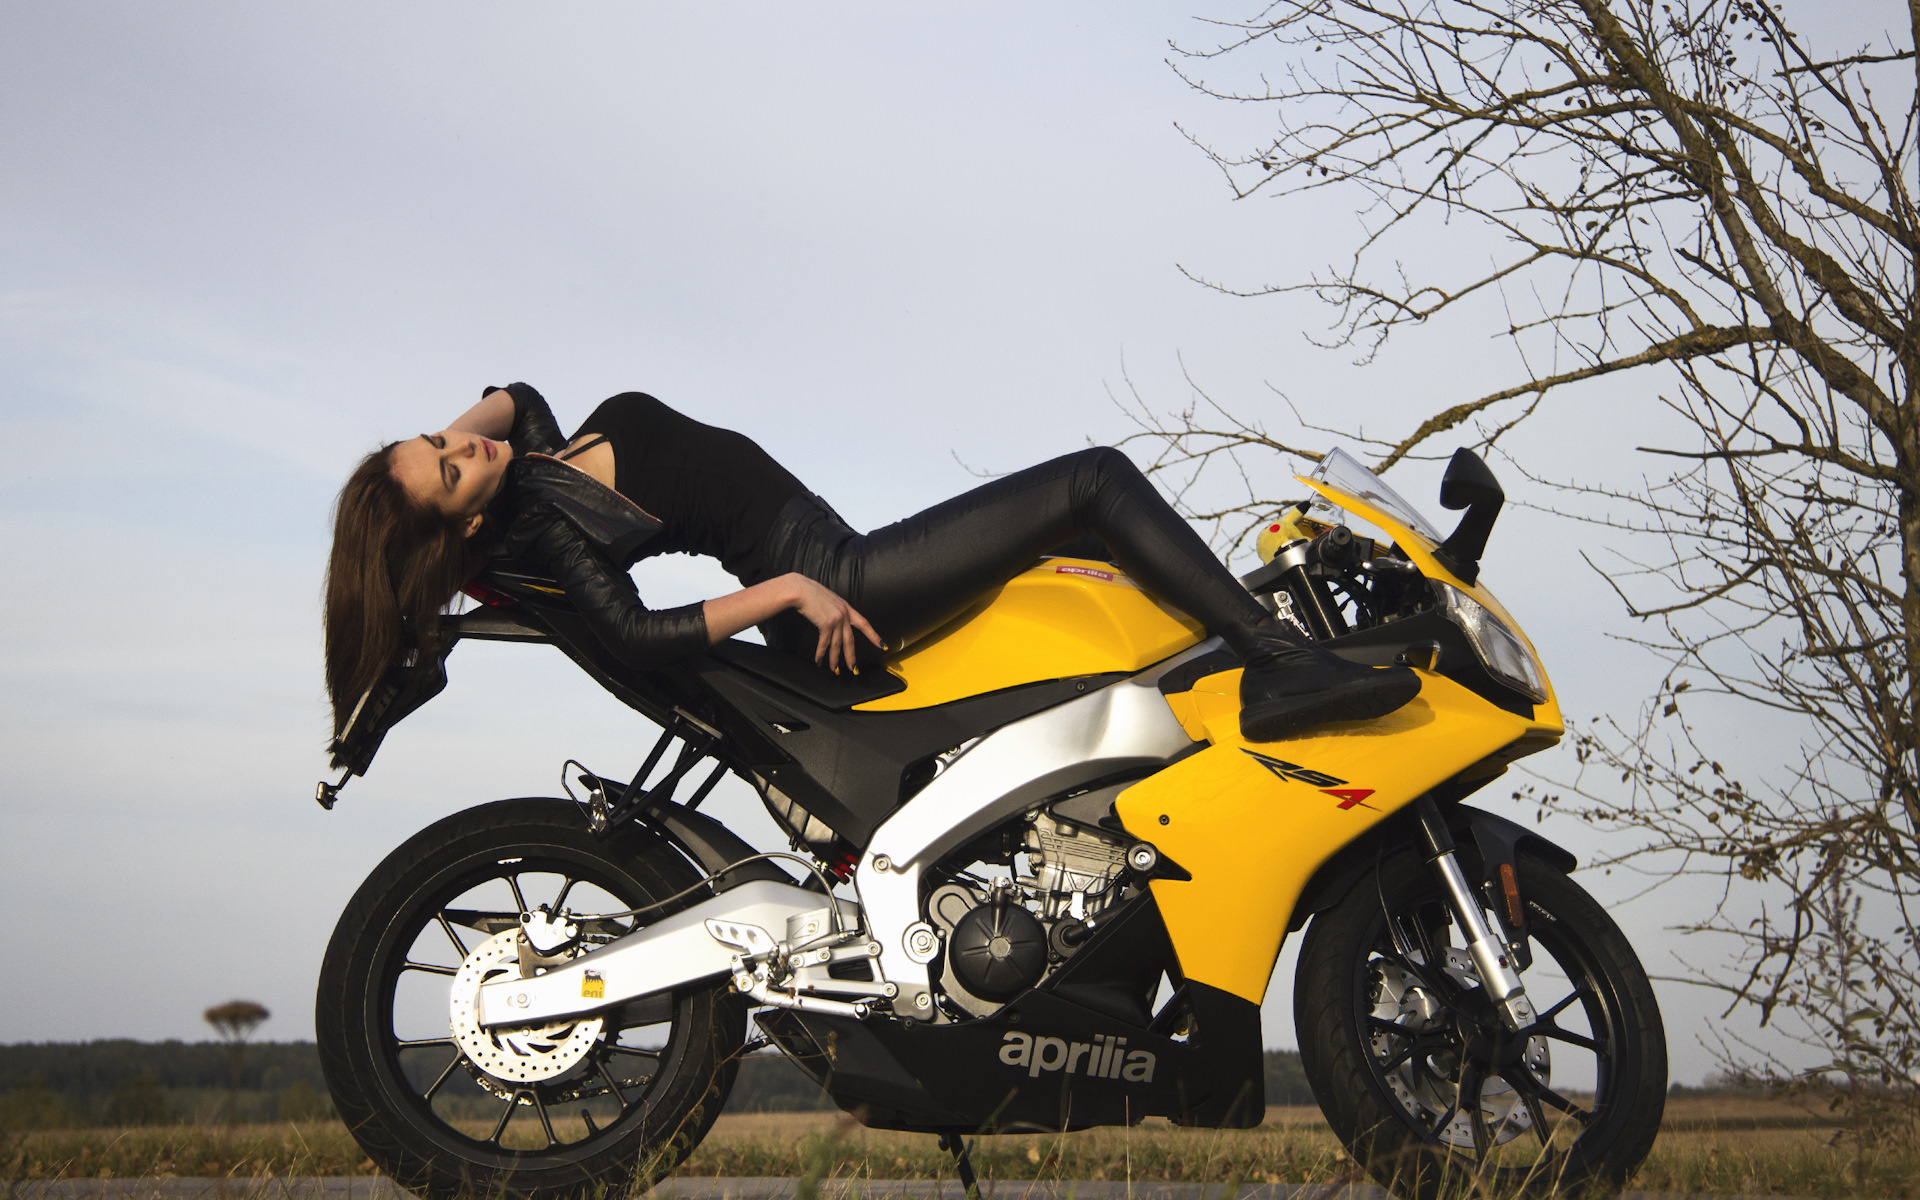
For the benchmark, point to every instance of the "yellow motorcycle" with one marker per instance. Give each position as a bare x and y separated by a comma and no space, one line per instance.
1036,881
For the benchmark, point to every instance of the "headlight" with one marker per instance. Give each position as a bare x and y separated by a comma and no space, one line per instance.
1501,651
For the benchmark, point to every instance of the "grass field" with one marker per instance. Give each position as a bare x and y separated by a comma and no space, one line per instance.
1717,1145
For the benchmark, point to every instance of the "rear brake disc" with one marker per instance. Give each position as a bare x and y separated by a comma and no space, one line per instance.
512,1054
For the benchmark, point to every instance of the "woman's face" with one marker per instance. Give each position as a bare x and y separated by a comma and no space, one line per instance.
453,471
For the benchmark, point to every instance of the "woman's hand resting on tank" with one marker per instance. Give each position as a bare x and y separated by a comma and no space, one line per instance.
836,620
832,616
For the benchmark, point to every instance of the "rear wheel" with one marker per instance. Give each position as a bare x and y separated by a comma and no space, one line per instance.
1423,1084
448,1108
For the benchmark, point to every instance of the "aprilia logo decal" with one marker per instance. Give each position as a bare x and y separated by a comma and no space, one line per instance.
1103,1058
1089,572
1095,573
1347,796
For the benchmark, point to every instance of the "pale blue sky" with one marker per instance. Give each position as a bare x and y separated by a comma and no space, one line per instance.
242,244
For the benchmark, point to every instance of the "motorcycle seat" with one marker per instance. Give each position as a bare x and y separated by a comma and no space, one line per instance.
495,623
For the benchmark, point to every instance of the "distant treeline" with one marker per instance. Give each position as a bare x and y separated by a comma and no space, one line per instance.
47,1085
124,1082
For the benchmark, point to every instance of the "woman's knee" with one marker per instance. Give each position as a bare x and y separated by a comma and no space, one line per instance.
1098,468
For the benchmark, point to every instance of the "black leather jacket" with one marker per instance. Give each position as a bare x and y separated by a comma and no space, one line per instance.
563,531
563,526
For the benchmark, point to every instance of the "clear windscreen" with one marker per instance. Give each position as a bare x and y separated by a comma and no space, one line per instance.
1342,471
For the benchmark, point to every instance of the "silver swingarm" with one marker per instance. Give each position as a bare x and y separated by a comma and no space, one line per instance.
773,938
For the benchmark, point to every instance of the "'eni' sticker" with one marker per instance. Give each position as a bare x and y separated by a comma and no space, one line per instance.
593,986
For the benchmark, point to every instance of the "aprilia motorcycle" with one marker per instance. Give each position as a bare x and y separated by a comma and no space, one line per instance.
1037,881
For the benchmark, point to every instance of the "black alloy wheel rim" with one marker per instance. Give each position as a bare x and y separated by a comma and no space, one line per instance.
1467,1050
562,1120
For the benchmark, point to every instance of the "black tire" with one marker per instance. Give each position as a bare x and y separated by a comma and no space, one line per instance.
1386,1083
648,1084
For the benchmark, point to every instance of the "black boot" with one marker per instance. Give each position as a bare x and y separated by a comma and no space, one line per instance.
1291,684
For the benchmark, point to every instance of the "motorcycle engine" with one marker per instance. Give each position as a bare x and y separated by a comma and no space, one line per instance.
998,949
1004,937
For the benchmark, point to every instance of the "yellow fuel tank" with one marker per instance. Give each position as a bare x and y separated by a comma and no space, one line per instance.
1062,618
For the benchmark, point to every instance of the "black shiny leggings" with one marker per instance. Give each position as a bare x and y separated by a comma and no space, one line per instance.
915,575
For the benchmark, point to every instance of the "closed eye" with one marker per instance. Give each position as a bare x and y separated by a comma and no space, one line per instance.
449,474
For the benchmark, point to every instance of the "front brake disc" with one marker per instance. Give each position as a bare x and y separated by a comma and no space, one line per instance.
1426,1085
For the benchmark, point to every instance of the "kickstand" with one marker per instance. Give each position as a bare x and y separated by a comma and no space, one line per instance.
962,1153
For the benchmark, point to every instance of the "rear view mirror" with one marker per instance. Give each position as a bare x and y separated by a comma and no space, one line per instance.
1470,485
1468,482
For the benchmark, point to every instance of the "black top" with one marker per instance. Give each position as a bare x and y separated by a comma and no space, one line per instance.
715,491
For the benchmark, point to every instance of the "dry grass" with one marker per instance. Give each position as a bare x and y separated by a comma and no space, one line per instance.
308,1148
1710,1145
1293,1147
1754,1146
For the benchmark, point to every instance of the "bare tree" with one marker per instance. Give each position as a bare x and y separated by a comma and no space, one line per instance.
1695,189
235,1021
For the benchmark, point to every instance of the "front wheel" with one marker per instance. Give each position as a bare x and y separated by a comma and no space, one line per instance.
575,1108
1421,1081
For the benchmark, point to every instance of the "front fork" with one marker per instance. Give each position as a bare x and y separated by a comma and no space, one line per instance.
1490,952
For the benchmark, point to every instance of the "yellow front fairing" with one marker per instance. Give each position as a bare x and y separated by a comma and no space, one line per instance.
1063,618
1251,822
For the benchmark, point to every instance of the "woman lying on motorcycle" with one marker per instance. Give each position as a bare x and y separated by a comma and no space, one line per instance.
418,519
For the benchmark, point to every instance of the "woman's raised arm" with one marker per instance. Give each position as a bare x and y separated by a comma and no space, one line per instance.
491,418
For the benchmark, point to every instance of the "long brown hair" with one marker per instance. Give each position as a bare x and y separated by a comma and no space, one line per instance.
395,566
